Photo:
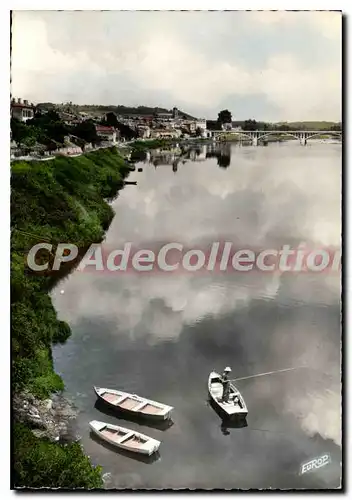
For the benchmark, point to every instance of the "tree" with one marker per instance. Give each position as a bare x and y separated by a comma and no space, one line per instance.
284,126
212,125
250,125
126,131
111,120
224,116
263,126
199,132
24,134
19,131
50,127
86,131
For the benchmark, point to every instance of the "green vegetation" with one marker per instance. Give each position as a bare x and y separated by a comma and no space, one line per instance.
125,130
152,144
49,131
98,109
254,125
39,463
224,116
61,200
309,125
120,110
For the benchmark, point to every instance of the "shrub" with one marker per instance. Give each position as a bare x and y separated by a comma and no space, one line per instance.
38,463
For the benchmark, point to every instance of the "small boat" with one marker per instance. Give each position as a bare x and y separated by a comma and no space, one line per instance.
235,407
133,404
125,439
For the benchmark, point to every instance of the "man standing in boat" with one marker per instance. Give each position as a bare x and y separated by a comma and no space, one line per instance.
226,384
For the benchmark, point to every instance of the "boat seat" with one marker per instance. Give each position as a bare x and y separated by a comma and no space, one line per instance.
125,437
121,399
113,399
140,406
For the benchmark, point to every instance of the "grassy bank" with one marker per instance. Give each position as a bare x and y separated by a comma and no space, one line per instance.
152,144
40,463
62,200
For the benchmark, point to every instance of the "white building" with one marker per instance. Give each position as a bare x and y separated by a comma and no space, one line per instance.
164,133
143,131
201,123
22,111
106,133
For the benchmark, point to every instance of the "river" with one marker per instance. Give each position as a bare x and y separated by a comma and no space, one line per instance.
159,335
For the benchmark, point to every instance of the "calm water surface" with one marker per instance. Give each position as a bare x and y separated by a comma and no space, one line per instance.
159,335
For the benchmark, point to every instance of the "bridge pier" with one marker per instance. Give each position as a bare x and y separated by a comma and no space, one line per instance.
254,138
303,139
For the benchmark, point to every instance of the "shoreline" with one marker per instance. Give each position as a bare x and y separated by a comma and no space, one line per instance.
54,201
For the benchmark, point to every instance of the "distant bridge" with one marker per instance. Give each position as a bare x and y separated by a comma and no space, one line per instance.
257,135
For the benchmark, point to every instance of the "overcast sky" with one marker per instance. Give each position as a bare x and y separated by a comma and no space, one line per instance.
272,66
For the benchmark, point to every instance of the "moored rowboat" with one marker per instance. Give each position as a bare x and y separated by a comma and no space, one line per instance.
125,439
235,406
133,404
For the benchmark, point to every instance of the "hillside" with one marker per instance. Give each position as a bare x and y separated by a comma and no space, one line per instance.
117,109
130,110
309,125
61,200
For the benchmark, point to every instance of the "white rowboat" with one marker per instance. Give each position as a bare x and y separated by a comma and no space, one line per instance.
235,407
133,404
125,439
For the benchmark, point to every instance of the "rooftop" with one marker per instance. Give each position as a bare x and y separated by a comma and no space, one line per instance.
24,104
106,130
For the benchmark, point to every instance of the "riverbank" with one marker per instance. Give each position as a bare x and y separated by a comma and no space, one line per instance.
62,200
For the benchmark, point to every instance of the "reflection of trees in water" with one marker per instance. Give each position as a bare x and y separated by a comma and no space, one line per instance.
222,153
224,161
138,156
192,153
156,162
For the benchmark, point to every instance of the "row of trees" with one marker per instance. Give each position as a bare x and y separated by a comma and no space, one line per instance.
225,116
45,129
48,129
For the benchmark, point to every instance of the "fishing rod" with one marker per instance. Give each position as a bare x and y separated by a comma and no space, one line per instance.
267,373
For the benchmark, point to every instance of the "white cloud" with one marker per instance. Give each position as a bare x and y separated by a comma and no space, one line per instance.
170,65
169,61
301,93
326,23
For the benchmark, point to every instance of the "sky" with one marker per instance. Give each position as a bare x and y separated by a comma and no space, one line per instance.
272,66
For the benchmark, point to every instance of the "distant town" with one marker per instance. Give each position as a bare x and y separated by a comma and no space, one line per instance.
45,129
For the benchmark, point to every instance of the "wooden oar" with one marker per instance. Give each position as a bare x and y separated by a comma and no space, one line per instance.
267,373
